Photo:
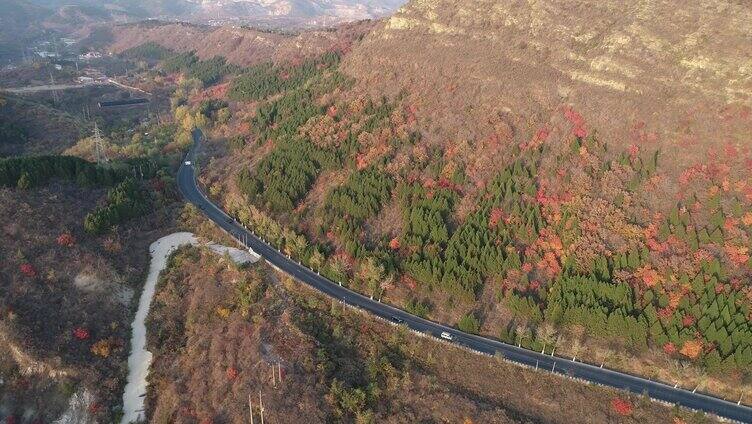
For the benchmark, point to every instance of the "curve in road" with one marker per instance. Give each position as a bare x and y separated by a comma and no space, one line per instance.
188,186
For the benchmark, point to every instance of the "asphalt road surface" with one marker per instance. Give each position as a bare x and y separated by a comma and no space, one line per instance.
664,392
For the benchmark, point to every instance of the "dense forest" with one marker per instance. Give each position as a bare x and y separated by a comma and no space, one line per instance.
11,133
26,172
150,51
209,72
523,238
264,80
128,198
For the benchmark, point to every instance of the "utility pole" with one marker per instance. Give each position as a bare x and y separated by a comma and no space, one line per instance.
261,408
250,406
279,368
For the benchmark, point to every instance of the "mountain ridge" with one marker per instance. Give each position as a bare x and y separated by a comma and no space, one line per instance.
650,72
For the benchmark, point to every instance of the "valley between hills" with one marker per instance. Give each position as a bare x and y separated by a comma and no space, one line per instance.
569,177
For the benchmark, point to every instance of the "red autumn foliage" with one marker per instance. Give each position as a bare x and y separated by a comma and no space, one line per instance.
11,419
540,196
496,215
648,276
738,255
539,138
541,135
657,247
549,264
633,150
688,320
66,239
731,151
692,349
665,313
578,123
361,161
81,333
527,267
580,132
232,373
669,348
394,244
622,407
409,282
28,270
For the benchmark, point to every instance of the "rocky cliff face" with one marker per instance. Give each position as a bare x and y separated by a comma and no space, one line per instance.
649,71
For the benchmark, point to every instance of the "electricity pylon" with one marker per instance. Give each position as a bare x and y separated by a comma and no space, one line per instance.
99,154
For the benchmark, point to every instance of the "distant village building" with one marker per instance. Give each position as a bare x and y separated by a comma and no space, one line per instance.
45,54
90,56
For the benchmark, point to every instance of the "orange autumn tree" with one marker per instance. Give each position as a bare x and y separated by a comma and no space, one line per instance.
692,349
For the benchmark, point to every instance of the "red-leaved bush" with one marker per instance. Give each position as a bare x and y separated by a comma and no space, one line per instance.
81,333
66,239
578,123
688,320
232,373
669,348
622,407
28,270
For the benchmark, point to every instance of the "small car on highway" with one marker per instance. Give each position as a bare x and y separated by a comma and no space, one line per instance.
446,336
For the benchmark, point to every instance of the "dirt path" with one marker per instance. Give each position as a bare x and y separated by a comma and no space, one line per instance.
140,359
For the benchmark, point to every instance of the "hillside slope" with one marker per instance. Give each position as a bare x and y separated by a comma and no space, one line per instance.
31,127
661,72
216,332
526,177
240,46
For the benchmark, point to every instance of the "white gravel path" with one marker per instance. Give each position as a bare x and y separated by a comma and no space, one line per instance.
139,359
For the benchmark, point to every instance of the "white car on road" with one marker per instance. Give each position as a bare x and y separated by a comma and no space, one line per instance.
446,336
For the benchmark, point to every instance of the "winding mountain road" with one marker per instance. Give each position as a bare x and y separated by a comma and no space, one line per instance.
188,186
